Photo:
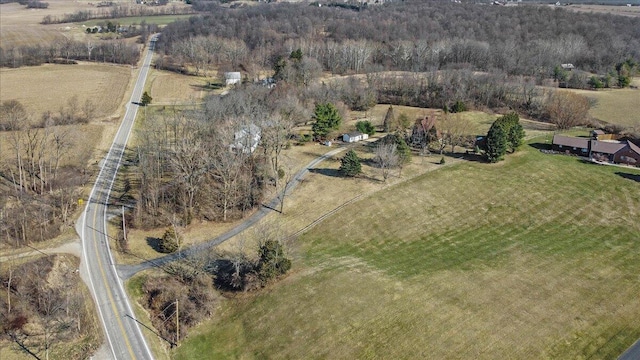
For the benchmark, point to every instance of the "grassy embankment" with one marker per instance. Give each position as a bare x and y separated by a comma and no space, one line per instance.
537,256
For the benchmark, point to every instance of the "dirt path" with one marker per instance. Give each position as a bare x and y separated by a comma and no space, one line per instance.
73,248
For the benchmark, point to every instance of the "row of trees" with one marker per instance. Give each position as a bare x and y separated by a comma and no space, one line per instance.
41,189
420,36
505,134
619,76
114,12
69,50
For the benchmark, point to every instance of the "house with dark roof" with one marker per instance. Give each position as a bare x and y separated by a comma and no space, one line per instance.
605,150
629,155
611,151
571,145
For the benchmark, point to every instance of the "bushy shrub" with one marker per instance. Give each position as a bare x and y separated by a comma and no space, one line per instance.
365,127
273,262
458,107
170,241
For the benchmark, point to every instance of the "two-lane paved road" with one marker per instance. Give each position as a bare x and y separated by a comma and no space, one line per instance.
122,332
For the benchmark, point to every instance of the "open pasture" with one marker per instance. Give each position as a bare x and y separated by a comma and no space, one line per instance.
21,26
607,9
168,88
615,106
48,87
534,257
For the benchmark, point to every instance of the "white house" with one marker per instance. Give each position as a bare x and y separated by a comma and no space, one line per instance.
354,137
246,139
568,67
231,78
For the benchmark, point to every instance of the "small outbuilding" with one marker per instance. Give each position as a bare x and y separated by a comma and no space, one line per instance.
354,137
568,67
231,78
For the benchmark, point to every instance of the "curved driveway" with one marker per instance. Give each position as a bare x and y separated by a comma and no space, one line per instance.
127,271
123,334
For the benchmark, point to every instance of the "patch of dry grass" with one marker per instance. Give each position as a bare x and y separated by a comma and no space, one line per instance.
168,88
633,11
48,87
615,106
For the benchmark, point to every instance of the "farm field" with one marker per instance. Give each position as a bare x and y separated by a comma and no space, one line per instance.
21,26
47,87
616,106
168,88
469,261
607,9
137,20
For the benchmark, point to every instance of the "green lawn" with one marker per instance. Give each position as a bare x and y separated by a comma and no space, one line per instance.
534,257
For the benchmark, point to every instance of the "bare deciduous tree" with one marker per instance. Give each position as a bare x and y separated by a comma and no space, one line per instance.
387,158
453,128
567,109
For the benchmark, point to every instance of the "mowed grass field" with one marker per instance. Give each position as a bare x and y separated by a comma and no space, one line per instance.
48,87
534,257
615,106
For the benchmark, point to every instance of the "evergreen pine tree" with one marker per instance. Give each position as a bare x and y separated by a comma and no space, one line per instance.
496,143
389,119
170,241
350,164
146,99
327,118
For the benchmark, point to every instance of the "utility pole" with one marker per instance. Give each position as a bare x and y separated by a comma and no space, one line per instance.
177,325
124,229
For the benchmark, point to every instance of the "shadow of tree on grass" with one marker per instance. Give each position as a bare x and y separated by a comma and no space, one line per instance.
633,177
154,242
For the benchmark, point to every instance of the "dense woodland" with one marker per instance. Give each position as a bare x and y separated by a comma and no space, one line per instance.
44,309
39,187
409,35
197,163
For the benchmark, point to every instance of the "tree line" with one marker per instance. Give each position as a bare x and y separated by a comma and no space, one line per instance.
40,191
114,12
68,51
419,36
